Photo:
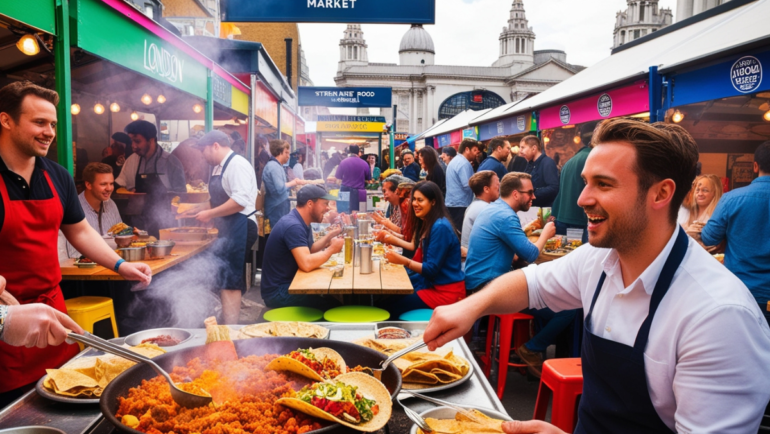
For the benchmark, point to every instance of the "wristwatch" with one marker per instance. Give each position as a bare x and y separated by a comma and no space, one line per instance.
3,314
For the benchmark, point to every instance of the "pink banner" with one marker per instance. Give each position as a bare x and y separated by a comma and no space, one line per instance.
456,137
621,101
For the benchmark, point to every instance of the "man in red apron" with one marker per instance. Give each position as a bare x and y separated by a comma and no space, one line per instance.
37,199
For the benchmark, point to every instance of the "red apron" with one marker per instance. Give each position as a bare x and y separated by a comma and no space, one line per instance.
29,261
440,295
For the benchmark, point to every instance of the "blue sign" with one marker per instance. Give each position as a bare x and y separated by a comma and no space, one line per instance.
345,96
469,133
504,127
331,11
444,140
738,75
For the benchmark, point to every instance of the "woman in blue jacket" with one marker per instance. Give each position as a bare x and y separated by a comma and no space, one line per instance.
435,269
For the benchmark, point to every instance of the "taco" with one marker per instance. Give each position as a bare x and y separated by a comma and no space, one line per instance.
355,400
317,364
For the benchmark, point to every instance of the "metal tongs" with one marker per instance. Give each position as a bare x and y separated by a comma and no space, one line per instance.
384,364
185,399
455,407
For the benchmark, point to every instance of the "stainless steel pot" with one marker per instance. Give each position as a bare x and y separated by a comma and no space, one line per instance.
160,249
132,254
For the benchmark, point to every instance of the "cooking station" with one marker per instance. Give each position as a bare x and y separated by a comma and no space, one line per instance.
33,409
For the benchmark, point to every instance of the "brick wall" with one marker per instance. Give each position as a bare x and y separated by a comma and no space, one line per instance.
272,36
183,8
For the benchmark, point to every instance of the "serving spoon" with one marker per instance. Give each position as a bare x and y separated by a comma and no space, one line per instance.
185,399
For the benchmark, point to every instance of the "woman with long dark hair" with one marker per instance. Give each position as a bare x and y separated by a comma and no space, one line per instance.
435,270
429,163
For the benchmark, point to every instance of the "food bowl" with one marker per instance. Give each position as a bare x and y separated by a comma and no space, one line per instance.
179,334
124,240
160,249
132,254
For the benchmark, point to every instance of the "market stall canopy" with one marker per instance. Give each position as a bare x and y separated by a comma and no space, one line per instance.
496,113
460,121
739,24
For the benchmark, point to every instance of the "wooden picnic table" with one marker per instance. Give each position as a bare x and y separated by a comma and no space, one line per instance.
390,280
179,254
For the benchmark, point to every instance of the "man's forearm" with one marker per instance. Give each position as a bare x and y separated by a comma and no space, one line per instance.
88,242
321,243
315,260
228,208
506,294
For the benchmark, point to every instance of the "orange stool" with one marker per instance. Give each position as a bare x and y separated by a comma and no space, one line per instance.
562,378
514,329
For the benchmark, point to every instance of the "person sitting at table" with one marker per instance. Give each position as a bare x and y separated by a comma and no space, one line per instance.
403,237
706,192
101,211
290,247
393,217
486,189
435,269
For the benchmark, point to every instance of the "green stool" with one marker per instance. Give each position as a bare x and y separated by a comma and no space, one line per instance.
294,313
356,314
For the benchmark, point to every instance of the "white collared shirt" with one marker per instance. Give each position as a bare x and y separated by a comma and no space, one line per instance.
239,182
708,356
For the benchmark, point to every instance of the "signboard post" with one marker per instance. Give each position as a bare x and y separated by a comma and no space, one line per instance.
331,11
392,141
344,96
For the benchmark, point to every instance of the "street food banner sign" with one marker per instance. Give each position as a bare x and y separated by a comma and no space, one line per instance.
741,74
345,96
505,127
331,11
621,101
106,33
350,124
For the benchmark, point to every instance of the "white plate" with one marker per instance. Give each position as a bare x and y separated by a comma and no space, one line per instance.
448,413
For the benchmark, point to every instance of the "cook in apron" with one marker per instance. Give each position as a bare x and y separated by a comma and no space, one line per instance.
29,261
157,205
233,232
615,395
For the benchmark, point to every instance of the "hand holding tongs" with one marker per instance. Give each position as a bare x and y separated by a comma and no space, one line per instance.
384,364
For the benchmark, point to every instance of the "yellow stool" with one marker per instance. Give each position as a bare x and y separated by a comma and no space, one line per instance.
87,311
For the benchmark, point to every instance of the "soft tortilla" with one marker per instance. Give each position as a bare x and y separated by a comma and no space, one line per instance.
285,363
284,329
463,425
368,386
70,383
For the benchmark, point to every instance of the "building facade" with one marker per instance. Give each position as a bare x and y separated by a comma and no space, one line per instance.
425,92
687,8
640,18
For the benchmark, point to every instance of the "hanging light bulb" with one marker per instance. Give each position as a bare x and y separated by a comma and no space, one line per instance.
134,116
28,45
161,99
576,139
197,108
98,109
114,107
766,116
75,109
677,117
146,99
546,139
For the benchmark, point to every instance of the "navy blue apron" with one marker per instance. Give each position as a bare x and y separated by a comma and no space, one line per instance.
615,395
233,230
156,214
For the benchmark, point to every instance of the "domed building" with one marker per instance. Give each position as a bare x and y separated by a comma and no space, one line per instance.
426,92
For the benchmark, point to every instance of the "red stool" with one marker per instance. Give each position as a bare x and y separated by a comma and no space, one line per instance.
562,378
514,329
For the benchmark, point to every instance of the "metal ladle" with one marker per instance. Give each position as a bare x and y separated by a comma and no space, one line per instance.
185,399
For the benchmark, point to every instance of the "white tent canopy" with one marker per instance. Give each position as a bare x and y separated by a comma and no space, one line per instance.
460,121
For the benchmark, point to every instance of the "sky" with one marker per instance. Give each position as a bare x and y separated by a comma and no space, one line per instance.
466,33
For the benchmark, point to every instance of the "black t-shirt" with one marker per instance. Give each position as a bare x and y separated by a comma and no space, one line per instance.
38,189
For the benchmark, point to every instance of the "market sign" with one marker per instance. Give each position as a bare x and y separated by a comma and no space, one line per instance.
735,76
469,133
621,101
504,127
287,121
106,33
345,96
330,11
265,105
40,14
350,124
222,90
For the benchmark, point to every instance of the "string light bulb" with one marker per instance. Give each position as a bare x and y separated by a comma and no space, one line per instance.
98,108
28,45
766,116
75,109
197,108
677,117
161,99
134,116
146,99
576,139
114,107
546,139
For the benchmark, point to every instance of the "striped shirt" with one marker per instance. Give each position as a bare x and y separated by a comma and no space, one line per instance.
109,218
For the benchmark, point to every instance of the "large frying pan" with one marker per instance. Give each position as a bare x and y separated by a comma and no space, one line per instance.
353,354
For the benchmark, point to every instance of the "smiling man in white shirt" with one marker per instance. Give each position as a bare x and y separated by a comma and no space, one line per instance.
672,341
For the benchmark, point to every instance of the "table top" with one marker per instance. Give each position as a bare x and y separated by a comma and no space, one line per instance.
33,409
388,280
180,253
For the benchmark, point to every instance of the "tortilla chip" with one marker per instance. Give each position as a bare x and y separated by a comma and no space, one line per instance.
462,424
84,365
216,333
148,350
68,382
109,367
368,386
285,363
